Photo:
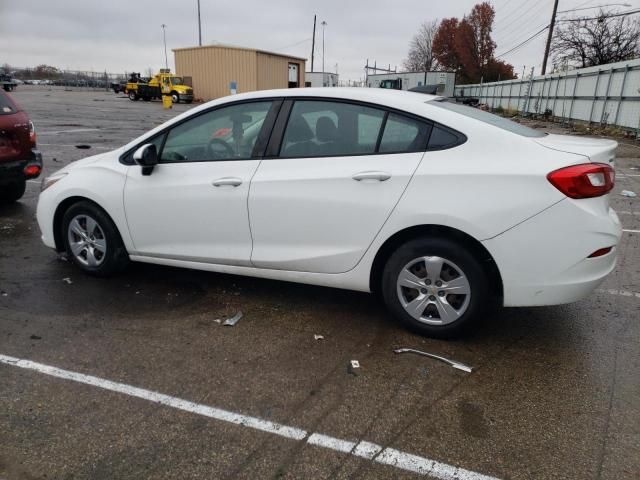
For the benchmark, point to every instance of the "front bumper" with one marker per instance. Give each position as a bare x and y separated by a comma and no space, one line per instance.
186,97
544,261
11,172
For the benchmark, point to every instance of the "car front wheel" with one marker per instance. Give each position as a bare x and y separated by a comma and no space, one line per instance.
175,98
92,240
435,287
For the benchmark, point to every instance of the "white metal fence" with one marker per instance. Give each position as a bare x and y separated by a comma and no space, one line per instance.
605,94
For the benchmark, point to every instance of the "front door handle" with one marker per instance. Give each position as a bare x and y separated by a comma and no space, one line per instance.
227,182
380,176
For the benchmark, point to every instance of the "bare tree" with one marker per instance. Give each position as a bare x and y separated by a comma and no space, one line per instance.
586,42
420,56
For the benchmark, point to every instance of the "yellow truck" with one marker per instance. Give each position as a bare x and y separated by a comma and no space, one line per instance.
163,83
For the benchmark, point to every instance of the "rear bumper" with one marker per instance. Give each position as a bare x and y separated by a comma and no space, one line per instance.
11,172
544,261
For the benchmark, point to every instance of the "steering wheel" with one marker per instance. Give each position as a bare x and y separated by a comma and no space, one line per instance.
217,153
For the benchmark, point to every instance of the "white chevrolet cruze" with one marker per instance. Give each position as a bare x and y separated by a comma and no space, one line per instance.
441,209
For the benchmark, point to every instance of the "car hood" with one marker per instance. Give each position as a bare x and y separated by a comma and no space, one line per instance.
597,149
86,161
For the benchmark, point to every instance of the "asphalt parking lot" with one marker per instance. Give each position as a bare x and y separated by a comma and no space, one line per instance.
554,392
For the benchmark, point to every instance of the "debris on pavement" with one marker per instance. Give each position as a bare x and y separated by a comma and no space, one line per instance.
453,363
3,293
35,337
67,280
628,193
83,147
354,365
318,337
63,257
230,322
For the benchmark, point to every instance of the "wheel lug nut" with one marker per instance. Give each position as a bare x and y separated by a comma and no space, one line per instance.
441,293
428,282
432,298
438,283
423,290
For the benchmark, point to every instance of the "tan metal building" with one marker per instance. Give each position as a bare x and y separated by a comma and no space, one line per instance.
216,69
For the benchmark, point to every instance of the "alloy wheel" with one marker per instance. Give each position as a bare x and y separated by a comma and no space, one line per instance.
87,240
433,290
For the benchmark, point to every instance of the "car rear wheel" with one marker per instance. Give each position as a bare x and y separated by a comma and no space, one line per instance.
133,96
435,287
13,192
92,240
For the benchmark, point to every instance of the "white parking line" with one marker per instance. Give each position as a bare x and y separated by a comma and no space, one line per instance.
62,145
631,231
622,293
73,130
361,449
627,213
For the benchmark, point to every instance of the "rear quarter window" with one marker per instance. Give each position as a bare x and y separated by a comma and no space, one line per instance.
7,107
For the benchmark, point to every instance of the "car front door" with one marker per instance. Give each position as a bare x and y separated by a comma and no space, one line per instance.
193,206
339,170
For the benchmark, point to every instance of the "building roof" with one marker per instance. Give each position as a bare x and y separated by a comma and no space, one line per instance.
235,47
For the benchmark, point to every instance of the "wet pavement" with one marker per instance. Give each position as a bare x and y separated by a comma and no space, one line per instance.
554,392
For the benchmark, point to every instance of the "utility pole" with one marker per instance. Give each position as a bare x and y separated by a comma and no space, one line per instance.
549,37
164,36
324,24
199,26
313,42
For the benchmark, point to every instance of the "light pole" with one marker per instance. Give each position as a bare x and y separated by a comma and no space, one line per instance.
199,26
324,24
164,37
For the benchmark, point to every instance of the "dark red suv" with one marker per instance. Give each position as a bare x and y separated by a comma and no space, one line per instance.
19,159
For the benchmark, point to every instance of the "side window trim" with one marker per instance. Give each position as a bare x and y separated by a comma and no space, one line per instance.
269,127
383,125
277,133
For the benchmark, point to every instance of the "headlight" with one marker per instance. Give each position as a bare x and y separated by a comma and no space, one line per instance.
48,181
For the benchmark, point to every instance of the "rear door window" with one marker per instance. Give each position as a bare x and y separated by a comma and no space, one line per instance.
326,128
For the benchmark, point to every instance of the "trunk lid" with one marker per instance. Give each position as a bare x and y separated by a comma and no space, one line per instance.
598,150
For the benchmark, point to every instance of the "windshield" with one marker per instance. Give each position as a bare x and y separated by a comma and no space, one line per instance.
177,80
487,117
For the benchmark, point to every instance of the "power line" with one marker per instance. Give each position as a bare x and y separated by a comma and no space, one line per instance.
294,44
522,15
621,14
524,42
517,25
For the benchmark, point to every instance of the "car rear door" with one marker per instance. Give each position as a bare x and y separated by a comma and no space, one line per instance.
333,173
193,206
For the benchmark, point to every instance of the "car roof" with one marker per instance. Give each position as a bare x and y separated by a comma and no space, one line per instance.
383,96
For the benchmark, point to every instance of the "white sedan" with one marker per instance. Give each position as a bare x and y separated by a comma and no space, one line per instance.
441,209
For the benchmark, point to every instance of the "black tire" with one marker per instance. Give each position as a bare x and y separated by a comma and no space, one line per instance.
133,96
175,97
13,192
115,259
480,289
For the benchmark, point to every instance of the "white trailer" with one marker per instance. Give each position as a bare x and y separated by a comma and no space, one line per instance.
445,82
321,79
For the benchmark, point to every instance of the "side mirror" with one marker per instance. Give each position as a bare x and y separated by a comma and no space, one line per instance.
147,157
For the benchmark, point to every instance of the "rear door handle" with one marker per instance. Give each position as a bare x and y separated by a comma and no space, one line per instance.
380,176
227,181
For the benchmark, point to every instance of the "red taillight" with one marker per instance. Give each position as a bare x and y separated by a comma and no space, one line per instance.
32,134
32,170
583,181
600,252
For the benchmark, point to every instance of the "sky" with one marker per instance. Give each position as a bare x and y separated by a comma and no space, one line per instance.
125,35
